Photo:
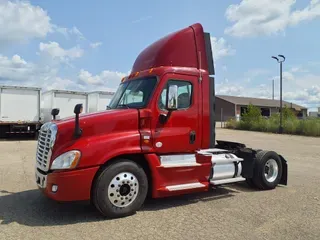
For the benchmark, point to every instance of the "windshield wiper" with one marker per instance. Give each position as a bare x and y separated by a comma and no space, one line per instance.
123,105
108,107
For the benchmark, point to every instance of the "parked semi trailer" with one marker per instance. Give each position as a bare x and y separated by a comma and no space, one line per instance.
99,100
64,101
162,145
19,111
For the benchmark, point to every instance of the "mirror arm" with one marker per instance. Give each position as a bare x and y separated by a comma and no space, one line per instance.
163,118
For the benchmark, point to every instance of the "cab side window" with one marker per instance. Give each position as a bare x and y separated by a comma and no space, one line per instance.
184,94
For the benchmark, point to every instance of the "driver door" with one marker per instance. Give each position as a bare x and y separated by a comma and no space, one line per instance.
181,131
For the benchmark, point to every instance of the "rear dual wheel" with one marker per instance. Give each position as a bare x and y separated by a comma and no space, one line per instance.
267,171
120,189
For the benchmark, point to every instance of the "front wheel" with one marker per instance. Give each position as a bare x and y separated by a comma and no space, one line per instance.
267,170
120,189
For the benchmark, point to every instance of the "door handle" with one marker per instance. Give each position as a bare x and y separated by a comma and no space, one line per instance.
192,137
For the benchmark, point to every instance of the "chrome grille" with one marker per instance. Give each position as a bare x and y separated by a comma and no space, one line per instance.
45,142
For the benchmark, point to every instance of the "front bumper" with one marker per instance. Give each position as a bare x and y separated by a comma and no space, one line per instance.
72,185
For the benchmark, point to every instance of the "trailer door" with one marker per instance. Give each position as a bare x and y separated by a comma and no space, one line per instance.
19,105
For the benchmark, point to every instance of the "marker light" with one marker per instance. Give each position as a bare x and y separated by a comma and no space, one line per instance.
54,188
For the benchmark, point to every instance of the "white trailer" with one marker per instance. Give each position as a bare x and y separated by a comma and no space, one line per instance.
99,100
19,111
64,100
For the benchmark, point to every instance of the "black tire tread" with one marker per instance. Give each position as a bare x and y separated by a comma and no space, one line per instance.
258,175
102,172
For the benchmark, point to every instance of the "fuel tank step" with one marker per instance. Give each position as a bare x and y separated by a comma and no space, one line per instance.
226,181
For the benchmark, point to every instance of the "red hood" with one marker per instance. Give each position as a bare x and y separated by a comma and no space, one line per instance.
95,124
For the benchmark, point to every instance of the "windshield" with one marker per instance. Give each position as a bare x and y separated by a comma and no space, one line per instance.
133,94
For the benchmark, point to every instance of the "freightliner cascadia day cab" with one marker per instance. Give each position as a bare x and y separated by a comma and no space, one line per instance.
156,138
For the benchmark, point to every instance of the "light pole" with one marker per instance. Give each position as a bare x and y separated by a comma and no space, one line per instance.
280,61
272,89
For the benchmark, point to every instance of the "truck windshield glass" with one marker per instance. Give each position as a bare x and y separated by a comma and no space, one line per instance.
133,93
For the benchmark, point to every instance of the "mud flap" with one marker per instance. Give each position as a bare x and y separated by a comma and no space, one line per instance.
284,178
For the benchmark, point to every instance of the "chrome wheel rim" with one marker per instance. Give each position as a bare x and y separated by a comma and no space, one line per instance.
123,189
271,170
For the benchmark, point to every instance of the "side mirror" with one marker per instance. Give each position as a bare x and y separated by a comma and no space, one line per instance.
77,130
172,97
55,112
78,109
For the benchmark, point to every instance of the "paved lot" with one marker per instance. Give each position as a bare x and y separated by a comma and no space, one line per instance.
233,212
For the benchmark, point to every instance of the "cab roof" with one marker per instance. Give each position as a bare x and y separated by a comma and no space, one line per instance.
188,48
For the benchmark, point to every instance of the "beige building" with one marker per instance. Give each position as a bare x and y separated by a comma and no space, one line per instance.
233,107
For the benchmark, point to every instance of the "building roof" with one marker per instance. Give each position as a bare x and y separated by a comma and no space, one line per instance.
261,102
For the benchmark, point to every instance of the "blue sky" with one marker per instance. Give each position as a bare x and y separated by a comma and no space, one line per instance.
78,45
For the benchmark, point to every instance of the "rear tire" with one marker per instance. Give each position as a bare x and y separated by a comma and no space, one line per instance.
120,189
267,170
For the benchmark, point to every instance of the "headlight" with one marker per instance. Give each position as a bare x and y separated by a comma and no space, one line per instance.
67,160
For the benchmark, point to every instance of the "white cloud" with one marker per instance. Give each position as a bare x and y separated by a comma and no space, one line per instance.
220,48
308,13
299,87
309,96
21,21
286,76
54,50
106,78
298,69
234,89
63,84
266,17
77,32
95,44
67,32
17,71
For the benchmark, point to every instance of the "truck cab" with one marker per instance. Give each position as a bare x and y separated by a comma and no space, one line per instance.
156,137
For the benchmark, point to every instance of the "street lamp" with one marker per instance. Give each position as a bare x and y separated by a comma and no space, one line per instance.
280,61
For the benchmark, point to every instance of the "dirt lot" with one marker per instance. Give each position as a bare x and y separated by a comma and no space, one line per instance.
233,212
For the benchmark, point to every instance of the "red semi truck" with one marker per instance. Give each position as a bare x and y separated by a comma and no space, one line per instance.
156,138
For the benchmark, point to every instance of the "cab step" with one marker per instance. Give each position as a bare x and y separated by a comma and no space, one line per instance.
185,186
226,181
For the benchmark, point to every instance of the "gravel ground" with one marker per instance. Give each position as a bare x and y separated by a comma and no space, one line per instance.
233,212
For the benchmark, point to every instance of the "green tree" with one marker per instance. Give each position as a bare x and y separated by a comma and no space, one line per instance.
288,114
252,114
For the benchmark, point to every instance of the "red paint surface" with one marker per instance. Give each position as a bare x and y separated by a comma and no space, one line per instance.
105,135
174,134
179,49
72,185
162,177
113,133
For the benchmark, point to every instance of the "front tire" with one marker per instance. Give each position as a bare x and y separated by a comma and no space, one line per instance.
120,189
267,170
